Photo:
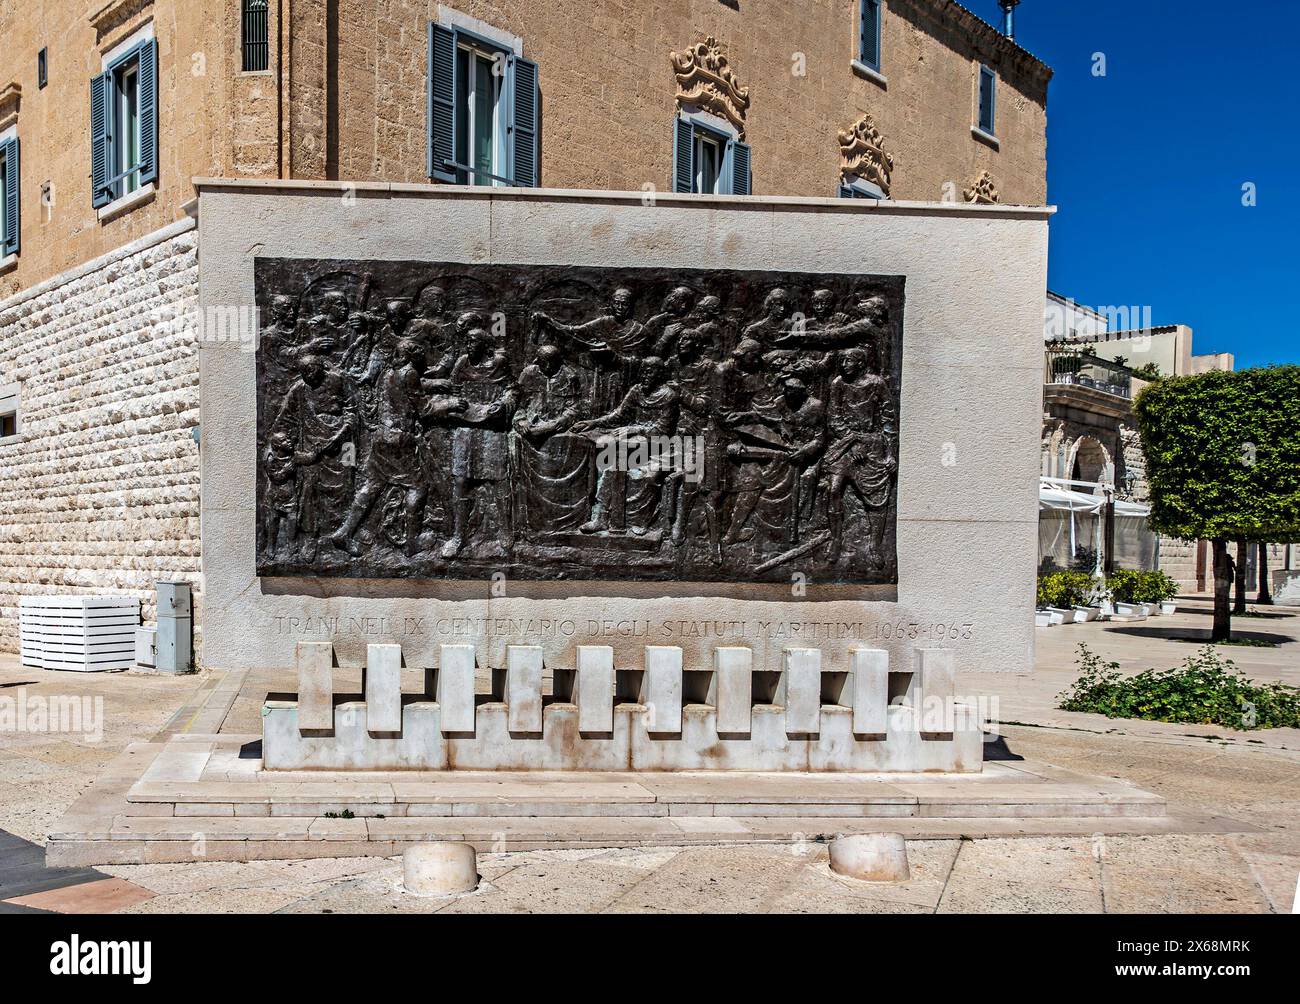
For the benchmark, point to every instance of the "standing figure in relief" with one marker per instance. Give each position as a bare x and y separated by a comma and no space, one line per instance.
860,456
647,412
551,464
480,447
312,453
395,459
700,381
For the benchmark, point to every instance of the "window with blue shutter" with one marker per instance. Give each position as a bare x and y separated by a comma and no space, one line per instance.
101,144
709,162
523,122
738,180
10,174
856,188
484,112
869,33
683,156
988,100
124,125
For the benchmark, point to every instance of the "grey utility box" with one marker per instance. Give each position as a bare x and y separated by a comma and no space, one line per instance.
146,647
175,645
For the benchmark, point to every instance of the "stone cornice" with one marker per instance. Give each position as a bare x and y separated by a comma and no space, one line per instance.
10,98
114,13
988,43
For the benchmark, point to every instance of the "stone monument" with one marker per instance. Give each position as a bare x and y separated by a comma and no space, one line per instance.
697,484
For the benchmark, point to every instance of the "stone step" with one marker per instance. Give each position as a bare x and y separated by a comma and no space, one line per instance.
145,808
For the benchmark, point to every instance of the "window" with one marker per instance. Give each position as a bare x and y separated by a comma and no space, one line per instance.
8,411
709,147
483,111
9,196
124,125
988,101
256,48
853,187
869,34
708,161
481,118
42,68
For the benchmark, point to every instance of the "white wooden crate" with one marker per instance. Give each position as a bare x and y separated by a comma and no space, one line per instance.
84,634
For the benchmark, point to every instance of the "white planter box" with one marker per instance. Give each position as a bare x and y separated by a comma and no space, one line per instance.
1084,614
1042,619
1135,610
1169,607
84,634
1060,615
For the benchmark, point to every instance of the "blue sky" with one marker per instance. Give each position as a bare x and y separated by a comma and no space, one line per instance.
1146,164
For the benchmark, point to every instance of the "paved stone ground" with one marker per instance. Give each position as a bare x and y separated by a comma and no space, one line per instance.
1249,776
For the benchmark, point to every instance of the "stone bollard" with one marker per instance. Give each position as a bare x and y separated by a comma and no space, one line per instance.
872,857
439,869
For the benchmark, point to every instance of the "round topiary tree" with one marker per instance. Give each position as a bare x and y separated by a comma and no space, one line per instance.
1223,463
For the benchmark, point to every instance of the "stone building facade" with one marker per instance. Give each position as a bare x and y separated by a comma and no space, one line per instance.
102,472
345,96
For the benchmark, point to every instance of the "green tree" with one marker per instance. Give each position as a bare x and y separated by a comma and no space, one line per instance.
1223,462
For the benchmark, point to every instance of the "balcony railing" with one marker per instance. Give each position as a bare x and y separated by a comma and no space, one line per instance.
1070,366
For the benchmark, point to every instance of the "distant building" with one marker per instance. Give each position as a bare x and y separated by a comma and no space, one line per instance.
1093,371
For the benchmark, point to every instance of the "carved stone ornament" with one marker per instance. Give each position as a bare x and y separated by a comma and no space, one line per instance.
11,96
863,153
705,80
982,192
454,421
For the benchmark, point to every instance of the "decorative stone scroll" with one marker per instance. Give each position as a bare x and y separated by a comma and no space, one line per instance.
982,191
863,155
706,80
453,421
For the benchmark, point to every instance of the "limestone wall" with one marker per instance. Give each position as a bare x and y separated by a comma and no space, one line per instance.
1178,561
99,492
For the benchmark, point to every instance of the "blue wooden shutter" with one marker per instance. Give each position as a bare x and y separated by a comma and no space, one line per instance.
988,99
846,192
869,43
9,151
739,181
442,102
524,108
148,112
101,140
683,156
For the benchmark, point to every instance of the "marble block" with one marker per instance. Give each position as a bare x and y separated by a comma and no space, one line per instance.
384,688
455,687
315,685
594,690
523,689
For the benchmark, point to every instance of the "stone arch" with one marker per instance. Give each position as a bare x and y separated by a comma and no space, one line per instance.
1089,460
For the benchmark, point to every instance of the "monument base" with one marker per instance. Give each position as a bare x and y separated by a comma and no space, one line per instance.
210,798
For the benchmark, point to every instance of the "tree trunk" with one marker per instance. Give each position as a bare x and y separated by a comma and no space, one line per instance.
1223,573
1239,603
1265,596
